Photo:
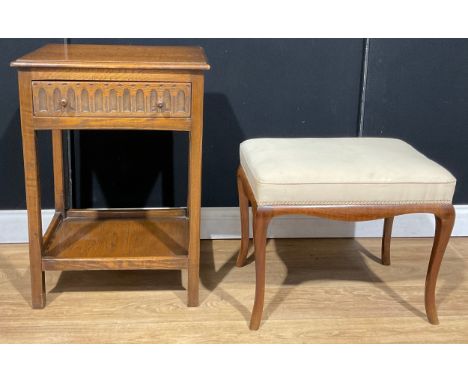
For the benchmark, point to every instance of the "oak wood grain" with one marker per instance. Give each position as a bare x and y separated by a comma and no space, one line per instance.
52,228
115,57
33,191
115,213
59,181
122,243
111,99
194,189
112,75
109,87
102,123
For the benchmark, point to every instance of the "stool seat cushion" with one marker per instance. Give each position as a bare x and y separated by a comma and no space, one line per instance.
342,171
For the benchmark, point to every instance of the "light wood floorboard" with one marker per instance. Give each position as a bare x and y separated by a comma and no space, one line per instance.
318,291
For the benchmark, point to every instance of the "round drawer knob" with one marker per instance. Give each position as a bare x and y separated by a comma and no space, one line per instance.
63,102
160,105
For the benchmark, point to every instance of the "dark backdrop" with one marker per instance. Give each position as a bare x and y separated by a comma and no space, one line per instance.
416,90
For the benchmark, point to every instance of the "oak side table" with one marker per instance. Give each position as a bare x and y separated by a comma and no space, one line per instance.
108,87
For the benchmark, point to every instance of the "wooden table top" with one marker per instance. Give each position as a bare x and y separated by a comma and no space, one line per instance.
115,57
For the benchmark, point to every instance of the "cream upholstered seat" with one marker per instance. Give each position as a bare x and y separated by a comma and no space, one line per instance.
342,171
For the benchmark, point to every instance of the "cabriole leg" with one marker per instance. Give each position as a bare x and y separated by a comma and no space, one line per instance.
386,239
444,226
260,233
244,214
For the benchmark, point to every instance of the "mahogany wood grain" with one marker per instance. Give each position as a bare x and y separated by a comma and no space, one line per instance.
165,92
444,226
444,215
358,212
386,239
244,214
259,237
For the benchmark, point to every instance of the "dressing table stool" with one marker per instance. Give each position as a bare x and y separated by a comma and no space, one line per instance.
350,179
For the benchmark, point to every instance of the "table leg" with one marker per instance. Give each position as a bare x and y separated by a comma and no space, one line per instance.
57,151
33,202
194,192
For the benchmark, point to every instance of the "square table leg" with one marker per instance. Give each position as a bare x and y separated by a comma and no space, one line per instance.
194,192
33,202
33,191
57,154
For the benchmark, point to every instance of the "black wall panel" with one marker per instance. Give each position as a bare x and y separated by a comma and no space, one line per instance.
418,91
12,195
256,87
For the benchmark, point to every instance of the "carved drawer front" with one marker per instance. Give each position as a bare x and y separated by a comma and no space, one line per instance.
111,99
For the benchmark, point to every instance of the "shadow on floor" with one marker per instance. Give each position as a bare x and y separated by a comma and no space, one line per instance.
337,259
20,279
316,259
127,280
211,278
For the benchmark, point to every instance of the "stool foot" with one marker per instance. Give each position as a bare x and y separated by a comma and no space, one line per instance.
387,237
444,225
260,233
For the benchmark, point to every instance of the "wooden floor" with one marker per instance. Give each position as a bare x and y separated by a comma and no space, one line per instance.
318,291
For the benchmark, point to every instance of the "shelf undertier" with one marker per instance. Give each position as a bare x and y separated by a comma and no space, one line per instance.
89,243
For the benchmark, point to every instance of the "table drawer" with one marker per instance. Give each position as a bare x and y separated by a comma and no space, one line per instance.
111,99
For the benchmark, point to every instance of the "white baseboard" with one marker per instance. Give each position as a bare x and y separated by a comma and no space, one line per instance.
223,223
14,225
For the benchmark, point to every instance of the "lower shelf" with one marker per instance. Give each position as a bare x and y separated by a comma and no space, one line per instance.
90,243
